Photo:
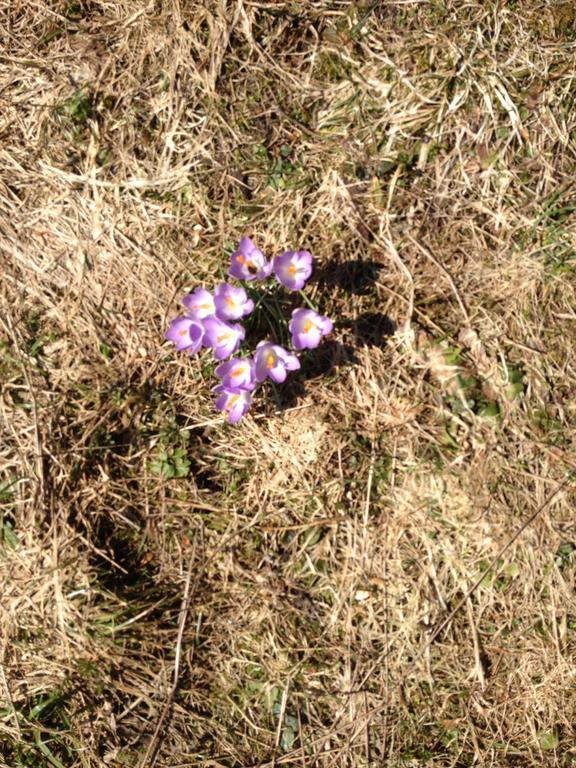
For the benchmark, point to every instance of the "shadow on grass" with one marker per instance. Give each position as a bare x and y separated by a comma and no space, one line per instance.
368,330
355,277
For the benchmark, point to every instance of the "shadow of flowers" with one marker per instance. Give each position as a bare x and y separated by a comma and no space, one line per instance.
355,277
369,329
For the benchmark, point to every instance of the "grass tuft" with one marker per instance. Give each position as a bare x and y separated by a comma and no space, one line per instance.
298,590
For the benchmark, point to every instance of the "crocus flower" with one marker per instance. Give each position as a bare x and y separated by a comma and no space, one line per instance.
224,338
232,303
186,333
293,268
274,362
237,373
249,263
307,328
200,304
235,402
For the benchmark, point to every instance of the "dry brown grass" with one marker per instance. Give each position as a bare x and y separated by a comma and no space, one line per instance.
308,579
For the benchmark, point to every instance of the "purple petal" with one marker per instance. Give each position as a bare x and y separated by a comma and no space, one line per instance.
221,402
223,369
199,303
292,363
231,302
293,268
278,373
236,413
313,337
260,368
298,341
236,270
299,314
305,262
248,262
266,270
246,246
186,334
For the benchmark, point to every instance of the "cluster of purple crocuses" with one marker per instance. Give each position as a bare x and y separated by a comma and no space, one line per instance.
209,322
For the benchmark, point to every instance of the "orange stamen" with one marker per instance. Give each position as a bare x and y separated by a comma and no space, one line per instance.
222,338
238,371
183,332
234,399
270,360
292,269
307,326
240,259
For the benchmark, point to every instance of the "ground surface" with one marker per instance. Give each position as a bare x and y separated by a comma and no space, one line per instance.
343,579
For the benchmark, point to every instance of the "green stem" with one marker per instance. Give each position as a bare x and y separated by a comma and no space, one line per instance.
308,301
